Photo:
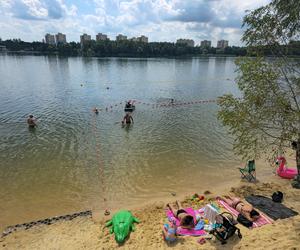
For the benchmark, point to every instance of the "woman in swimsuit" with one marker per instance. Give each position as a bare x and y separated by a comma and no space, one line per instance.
243,208
186,220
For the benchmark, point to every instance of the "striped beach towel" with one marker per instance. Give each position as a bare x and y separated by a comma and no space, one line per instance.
263,220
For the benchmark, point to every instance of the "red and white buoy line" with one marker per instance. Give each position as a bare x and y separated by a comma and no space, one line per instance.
100,164
170,104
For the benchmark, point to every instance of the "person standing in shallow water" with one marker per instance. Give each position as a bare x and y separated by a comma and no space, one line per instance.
31,121
96,111
127,119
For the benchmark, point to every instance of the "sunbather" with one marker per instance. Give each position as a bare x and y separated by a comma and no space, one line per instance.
244,208
186,220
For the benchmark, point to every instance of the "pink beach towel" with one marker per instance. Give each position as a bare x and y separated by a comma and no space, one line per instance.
184,231
263,220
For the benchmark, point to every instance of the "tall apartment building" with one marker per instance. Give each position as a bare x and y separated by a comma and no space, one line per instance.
85,38
188,42
3,48
121,37
205,44
142,39
222,44
101,37
49,39
60,38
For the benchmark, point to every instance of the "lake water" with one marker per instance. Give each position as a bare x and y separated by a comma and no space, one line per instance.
76,160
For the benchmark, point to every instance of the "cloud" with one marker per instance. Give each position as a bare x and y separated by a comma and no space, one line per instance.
193,11
160,20
37,9
55,9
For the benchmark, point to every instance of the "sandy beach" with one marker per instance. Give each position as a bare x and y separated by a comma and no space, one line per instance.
90,233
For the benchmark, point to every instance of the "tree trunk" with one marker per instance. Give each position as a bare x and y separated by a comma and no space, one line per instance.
296,181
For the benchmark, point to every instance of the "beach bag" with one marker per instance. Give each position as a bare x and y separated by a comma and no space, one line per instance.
277,196
227,229
244,221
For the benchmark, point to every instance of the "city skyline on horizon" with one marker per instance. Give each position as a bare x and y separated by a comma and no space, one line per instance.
159,20
105,37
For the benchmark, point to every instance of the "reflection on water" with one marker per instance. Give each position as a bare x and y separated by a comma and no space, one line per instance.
74,158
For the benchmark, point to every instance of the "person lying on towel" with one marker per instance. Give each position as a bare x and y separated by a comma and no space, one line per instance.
246,210
186,220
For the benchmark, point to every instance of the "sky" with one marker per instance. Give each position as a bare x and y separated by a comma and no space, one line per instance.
159,20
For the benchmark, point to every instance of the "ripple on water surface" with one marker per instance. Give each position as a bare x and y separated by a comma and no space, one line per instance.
58,167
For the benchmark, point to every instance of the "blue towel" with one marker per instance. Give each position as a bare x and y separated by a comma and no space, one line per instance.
200,225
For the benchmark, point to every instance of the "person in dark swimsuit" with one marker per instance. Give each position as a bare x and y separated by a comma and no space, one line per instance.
244,208
186,220
31,121
127,119
128,105
96,111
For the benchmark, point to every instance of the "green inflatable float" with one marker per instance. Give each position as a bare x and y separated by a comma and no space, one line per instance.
122,224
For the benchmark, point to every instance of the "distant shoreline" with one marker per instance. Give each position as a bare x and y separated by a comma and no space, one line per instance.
39,53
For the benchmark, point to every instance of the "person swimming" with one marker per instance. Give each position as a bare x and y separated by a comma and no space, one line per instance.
96,111
128,105
31,121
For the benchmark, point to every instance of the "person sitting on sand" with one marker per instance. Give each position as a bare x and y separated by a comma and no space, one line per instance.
31,121
244,208
169,231
127,119
186,220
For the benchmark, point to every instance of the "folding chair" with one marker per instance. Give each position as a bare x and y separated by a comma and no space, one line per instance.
248,172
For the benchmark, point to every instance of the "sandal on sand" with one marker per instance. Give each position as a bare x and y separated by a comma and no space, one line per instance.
201,241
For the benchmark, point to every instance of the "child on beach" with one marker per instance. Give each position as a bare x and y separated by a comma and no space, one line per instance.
169,231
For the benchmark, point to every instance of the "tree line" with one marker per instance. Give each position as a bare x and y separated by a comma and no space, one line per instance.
119,48
139,49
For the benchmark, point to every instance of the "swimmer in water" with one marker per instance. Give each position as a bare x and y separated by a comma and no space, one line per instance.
31,121
96,111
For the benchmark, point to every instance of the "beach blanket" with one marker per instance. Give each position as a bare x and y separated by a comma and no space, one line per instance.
184,231
263,220
273,209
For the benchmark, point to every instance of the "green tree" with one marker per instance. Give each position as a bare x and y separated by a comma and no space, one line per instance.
266,118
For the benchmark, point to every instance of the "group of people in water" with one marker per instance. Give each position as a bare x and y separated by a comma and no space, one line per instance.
127,119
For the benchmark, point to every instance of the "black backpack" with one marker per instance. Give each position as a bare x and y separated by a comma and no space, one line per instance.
227,229
277,196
